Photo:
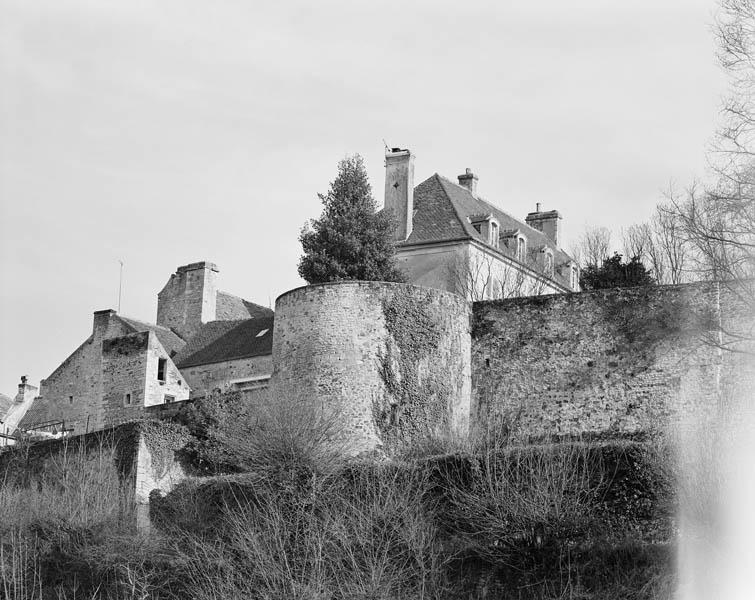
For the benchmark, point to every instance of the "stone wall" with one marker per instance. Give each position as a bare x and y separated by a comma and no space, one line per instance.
613,361
173,387
144,454
386,362
129,377
219,377
73,392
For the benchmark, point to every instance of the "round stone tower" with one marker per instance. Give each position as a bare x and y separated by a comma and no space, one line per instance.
384,362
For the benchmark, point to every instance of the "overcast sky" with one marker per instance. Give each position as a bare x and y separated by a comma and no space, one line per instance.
166,132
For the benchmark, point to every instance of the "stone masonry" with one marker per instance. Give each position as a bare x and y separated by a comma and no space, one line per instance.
387,362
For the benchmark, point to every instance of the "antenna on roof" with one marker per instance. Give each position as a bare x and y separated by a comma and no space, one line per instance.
120,285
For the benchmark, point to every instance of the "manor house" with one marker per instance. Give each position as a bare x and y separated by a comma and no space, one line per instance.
448,237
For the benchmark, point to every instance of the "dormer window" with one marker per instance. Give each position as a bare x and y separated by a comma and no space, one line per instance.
521,249
494,236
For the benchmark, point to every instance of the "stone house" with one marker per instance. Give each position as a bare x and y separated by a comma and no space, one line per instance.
205,341
450,238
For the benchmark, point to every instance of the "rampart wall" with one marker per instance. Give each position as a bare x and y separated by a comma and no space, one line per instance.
387,362
614,361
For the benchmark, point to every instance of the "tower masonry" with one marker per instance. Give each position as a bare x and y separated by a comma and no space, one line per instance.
189,298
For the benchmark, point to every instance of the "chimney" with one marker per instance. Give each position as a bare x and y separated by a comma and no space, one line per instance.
101,322
547,222
469,181
189,298
399,190
26,391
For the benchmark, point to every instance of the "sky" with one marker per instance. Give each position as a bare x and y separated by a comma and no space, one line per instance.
160,133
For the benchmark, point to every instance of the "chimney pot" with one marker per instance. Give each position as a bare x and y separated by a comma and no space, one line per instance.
537,207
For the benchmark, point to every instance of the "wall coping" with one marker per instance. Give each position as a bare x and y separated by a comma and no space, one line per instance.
657,288
376,284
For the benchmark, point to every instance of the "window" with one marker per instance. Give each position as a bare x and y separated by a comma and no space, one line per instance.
549,264
70,399
162,363
521,249
127,399
574,279
494,234
168,399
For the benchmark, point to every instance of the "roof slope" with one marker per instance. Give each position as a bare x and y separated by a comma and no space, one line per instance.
230,307
441,211
219,341
5,403
171,341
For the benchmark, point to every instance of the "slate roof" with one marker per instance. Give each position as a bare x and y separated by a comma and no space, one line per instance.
230,307
170,340
5,404
219,341
441,214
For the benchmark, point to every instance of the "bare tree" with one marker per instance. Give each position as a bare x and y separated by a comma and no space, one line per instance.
669,246
636,241
719,222
593,246
661,243
485,277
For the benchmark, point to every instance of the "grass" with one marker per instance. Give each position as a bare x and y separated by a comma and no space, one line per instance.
570,520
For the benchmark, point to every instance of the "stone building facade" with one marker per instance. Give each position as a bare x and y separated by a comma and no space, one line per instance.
449,237
205,342
123,366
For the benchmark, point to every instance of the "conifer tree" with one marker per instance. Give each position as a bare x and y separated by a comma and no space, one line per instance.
350,240
615,273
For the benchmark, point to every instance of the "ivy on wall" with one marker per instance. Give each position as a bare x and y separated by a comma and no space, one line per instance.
414,397
163,439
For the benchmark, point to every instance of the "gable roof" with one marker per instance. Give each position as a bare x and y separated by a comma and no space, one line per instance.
443,210
219,341
171,341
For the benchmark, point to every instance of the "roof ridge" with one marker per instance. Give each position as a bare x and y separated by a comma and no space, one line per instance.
163,327
530,229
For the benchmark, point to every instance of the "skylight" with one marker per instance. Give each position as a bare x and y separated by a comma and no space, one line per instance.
263,332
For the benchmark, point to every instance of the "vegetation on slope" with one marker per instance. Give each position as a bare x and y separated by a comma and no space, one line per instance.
559,520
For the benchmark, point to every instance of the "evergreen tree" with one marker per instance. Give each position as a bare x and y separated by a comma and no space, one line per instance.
615,273
350,240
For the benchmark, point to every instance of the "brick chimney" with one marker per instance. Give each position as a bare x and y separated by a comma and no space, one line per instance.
399,190
469,181
547,222
189,298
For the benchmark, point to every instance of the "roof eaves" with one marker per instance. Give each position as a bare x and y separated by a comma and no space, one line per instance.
188,364
531,271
